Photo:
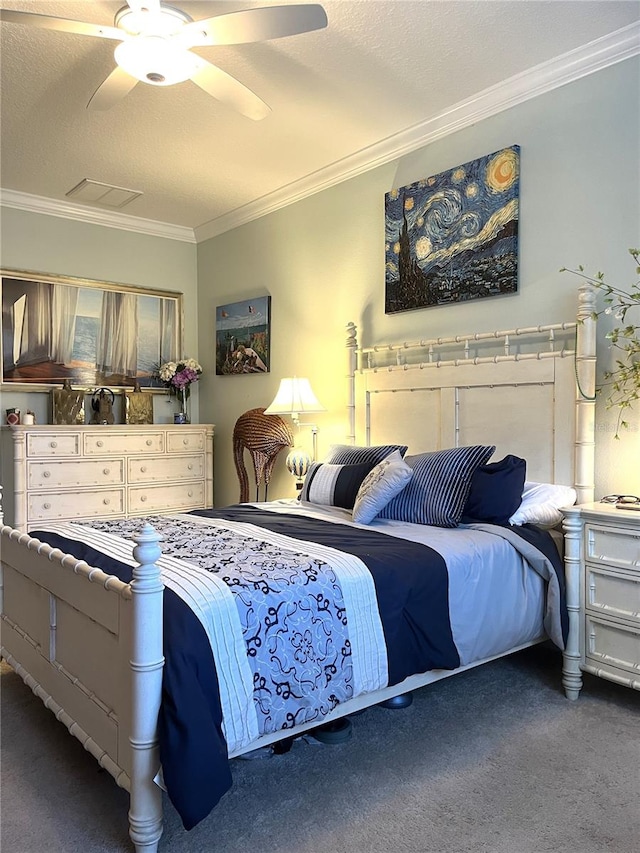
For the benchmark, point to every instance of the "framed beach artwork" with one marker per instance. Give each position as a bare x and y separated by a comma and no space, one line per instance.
243,337
454,236
92,333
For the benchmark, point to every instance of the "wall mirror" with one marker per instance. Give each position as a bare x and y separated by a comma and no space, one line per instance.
92,333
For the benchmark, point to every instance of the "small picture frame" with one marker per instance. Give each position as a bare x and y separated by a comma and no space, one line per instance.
243,331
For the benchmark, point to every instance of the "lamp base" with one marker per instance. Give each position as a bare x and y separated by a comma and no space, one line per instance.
297,462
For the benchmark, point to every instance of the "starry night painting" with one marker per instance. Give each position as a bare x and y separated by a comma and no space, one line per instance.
454,236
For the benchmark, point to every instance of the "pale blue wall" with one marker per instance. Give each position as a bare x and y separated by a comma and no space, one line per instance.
49,244
322,260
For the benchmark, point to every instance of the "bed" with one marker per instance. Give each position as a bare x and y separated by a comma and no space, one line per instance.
85,605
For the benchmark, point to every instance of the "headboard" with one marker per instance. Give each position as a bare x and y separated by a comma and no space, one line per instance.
530,391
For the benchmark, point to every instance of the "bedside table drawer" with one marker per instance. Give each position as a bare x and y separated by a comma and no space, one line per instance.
610,644
611,546
613,593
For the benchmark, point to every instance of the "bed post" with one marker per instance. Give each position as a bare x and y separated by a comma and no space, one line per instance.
352,358
584,465
147,661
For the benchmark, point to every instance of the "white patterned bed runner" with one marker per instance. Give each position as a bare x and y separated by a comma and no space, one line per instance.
210,598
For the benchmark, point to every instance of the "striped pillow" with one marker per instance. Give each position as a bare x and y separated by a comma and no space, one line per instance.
439,488
333,485
350,454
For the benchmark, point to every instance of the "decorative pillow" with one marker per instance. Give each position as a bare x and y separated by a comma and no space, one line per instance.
541,503
350,454
333,485
382,483
496,491
440,485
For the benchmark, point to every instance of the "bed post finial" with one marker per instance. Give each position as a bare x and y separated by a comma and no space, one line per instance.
352,363
586,393
147,661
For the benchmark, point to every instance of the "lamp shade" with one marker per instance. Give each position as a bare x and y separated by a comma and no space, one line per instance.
294,397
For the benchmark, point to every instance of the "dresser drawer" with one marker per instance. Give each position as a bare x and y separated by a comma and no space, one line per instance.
102,502
147,499
53,444
613,593
166,469
81,472
608,643
612,546
185,440
105,444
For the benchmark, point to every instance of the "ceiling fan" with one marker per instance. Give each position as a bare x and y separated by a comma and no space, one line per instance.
156,41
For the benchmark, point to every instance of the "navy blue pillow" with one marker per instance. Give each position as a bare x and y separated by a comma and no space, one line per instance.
352,454
496,491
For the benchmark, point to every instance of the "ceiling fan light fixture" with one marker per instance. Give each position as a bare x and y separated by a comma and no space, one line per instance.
164,21
154,60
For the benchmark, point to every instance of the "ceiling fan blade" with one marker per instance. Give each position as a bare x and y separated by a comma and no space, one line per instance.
227,89
63,25
269,22
115,87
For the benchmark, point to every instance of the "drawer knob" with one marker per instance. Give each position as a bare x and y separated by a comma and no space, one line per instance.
190,494
46,506
143,498
46,473
185,441
190,467
99,443
106,471
149,442
143,469
106,501
53,444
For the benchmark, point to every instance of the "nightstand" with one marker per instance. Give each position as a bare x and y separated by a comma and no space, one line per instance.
602,563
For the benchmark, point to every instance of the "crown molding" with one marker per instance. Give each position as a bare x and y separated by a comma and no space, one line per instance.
588,59
106,218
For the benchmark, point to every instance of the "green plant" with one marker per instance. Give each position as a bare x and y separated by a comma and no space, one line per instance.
623,381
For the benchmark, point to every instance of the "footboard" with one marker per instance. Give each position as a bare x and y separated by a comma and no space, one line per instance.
90,646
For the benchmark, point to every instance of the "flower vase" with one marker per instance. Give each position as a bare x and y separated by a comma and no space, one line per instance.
182,417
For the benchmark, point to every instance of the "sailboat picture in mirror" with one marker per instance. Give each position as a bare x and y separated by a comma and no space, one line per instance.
90,333
454,236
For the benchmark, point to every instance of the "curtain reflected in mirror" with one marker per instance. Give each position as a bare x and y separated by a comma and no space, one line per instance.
92,334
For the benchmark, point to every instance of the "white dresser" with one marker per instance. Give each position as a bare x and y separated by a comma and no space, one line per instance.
62,472
603,556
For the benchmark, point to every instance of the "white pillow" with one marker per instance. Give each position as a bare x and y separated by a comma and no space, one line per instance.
382,483
541,503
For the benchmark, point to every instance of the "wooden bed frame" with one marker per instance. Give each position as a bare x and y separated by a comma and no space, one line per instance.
71,631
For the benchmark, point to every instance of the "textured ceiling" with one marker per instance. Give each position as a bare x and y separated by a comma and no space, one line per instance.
377,70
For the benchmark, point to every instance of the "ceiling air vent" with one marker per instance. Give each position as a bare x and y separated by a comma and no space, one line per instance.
104,195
